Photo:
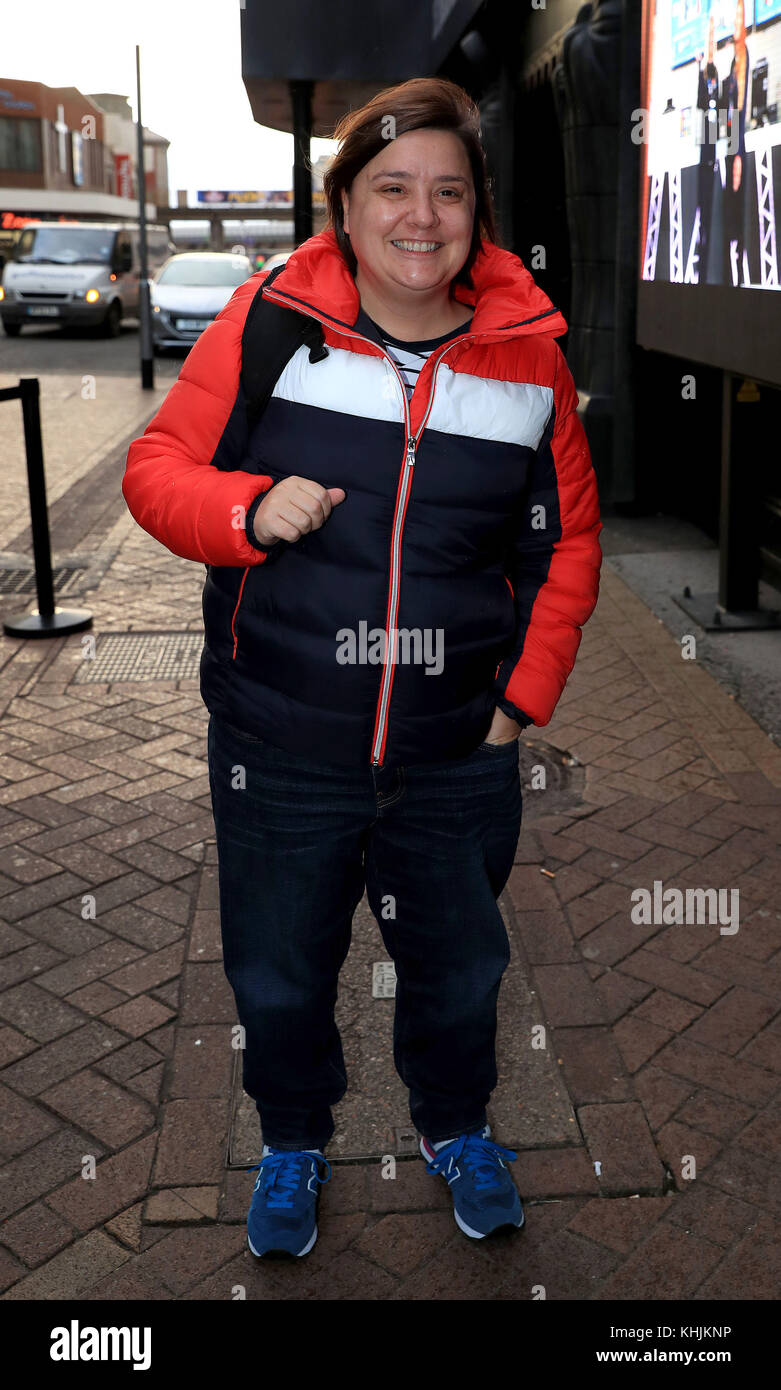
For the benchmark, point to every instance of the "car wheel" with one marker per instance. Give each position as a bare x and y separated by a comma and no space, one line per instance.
12,330
112,323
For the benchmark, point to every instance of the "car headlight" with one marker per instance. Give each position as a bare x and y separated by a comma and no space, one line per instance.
92,296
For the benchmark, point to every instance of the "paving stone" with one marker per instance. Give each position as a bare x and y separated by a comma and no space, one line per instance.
127,1226
68,935
55,1061
138,1016
24,1124
720,1072
620,1223
670,1264
95,999
36,1234
721,1116
13,1045
64,979
763,1134
148,971
191,1148
568,996
128,1061
184,1257
638,1040
182,1205
401,1242
206,996
74,1271
119,1181
749,1272
548,1173
93,1103
593,1068
618,1138
751,1176
704,1211
670,975
24,964
688,1151
203,1062
148,1083
667,1011
40,1168
733,1020
37,1013
10,1270
545,937
618,993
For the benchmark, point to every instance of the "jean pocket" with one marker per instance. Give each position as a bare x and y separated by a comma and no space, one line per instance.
497,747
243,734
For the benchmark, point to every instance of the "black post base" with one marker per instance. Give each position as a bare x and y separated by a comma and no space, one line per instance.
707,611
58,624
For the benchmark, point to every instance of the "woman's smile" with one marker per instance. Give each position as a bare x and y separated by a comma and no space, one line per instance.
417,248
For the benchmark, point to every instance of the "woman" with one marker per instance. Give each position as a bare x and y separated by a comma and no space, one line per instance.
707,102
401,554
736,100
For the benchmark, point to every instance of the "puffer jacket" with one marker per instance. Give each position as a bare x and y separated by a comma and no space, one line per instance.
469,527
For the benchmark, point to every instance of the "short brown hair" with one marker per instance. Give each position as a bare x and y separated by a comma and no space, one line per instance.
423,103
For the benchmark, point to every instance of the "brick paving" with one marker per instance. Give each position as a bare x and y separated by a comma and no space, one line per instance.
115,1015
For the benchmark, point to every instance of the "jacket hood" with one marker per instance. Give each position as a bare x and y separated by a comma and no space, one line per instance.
504,296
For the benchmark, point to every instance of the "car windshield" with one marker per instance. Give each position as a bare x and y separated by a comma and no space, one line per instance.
231,271
62,245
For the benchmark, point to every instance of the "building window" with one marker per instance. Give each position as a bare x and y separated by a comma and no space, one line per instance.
20,144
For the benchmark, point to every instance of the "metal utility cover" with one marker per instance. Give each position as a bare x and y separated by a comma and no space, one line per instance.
142,656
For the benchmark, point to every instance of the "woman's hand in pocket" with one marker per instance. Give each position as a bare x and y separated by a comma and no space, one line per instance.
292,508
503,729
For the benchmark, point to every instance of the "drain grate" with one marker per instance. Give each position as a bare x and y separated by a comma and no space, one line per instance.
142,656
67,579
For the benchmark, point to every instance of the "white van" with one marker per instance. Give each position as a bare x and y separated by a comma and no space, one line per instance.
73,273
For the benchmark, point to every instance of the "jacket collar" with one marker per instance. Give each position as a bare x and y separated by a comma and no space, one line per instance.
505,296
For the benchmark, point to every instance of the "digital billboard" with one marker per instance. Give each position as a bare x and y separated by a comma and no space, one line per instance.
710,135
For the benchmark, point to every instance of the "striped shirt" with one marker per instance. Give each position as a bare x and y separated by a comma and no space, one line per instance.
409,357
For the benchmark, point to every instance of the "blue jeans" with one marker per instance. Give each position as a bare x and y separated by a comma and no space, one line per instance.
433,845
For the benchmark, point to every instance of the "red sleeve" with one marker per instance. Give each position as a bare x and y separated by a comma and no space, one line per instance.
171,483
554,563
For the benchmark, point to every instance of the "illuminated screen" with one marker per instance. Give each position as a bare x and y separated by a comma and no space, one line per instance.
710,137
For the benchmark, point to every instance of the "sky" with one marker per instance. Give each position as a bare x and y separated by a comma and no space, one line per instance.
191,87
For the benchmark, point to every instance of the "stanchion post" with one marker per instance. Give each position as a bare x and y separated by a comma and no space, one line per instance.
47,620
29,390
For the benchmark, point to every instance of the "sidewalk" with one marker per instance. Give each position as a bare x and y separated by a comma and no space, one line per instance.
115,1015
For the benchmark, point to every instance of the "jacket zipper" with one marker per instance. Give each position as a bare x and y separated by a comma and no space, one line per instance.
402,493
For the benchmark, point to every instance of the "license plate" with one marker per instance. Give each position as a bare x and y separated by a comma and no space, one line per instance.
43,311
192,325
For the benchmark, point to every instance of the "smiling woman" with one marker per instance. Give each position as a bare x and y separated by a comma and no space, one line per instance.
446,506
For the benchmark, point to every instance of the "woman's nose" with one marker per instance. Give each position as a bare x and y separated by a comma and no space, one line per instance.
423,213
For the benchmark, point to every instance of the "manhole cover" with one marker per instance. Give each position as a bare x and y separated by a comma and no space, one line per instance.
548,770
142,656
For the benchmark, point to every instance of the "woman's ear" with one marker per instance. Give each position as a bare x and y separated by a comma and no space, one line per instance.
345,211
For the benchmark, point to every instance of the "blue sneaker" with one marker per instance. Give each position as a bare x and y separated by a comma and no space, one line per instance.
484,1194
283,1212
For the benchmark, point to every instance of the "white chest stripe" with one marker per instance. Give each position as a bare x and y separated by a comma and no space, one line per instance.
473,407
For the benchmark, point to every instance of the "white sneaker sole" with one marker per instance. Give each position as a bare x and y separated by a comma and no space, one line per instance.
297,1253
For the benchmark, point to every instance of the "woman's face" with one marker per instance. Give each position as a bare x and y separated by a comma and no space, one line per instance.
410,213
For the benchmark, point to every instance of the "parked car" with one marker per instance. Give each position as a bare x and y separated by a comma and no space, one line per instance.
278,258
78,273
189,291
